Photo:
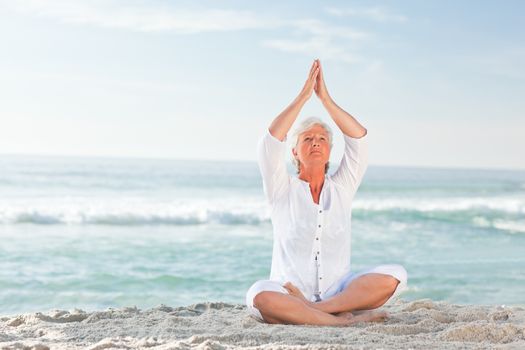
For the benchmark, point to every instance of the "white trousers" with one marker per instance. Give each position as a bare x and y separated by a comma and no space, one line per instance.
396,271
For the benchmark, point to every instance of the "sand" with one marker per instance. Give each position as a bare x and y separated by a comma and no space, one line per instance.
421,324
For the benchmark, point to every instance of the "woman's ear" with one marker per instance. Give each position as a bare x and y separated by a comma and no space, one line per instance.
294,152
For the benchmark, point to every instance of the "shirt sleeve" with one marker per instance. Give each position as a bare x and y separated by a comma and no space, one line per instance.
353,165
272,165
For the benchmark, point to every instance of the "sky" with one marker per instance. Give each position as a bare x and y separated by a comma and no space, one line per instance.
436,83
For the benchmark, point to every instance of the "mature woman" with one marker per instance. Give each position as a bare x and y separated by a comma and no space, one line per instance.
310,281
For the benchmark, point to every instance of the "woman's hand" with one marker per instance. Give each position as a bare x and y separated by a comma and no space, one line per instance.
320,86
310,83
348,124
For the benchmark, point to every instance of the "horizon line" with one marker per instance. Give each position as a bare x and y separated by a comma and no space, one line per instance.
161,158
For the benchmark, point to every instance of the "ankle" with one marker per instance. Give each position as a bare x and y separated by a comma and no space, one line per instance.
318,306
345,319
310,304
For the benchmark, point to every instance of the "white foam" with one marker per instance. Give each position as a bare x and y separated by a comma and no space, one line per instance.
481,221
133,211
510,226
232,210
504,204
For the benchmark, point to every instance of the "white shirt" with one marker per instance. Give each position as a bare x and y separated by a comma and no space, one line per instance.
303,230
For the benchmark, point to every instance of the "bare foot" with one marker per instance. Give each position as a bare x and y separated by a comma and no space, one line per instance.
363,316
293,290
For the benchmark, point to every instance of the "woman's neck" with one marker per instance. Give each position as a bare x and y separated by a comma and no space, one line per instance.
315,177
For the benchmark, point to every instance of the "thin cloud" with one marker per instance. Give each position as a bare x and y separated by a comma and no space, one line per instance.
321,29
378,14
318,39
143,19
313,48
312,37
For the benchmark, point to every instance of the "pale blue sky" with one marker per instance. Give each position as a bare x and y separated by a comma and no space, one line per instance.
437,83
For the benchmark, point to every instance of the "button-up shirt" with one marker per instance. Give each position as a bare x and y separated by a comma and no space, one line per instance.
311,246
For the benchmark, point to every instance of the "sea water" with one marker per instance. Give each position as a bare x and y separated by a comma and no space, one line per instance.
93,233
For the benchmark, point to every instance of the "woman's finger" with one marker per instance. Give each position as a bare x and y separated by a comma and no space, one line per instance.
312,70
320,69
316,72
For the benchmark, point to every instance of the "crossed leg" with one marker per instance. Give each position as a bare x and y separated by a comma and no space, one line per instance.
283,308
364,293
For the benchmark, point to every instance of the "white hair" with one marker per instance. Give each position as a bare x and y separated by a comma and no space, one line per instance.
302,127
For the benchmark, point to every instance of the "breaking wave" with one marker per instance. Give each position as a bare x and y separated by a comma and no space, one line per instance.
481,212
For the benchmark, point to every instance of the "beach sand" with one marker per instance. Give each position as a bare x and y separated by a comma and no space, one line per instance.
421,324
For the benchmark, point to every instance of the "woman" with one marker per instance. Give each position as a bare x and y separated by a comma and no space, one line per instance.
310,281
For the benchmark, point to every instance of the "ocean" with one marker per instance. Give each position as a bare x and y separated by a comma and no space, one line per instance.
93,233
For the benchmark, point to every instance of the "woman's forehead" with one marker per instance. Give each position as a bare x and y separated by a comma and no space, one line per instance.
315,129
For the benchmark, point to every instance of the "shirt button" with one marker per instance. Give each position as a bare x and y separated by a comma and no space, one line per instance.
320,278
317,252
317,238
320,211
319,225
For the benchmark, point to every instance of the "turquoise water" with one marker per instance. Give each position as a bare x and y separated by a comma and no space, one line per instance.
95,233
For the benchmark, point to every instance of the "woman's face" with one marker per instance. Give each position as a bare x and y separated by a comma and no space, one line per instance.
313,147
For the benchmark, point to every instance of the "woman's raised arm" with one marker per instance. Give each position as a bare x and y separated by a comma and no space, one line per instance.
348,124
284,121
